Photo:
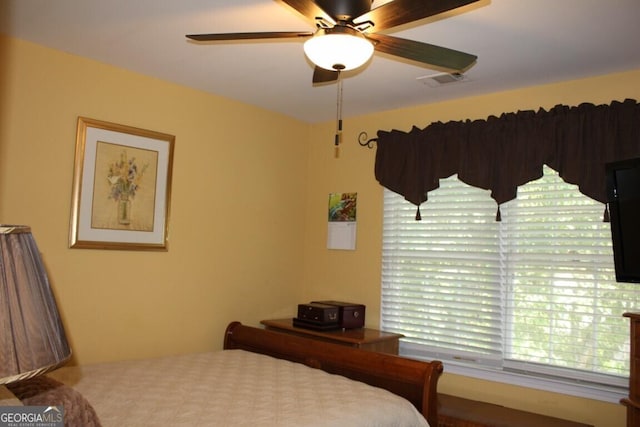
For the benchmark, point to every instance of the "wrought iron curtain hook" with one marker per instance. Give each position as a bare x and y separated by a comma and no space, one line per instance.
364,142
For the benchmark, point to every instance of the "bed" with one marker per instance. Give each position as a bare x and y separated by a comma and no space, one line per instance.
261,378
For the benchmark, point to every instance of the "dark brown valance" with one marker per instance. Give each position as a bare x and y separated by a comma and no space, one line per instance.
502,153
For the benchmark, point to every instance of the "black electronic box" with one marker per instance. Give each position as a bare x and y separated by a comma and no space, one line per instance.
317,316
350,315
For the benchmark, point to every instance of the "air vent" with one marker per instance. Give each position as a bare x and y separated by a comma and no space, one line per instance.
441,79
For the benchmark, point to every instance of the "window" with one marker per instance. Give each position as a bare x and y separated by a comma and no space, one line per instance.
532,297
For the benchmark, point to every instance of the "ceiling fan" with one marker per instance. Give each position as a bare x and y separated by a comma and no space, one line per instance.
346,34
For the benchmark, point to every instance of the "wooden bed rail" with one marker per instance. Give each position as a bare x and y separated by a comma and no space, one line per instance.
414,380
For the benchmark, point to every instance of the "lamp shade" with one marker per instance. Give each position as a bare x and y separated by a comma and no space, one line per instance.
339,49
32,338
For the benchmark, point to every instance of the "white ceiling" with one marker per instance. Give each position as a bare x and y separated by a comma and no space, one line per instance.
518,43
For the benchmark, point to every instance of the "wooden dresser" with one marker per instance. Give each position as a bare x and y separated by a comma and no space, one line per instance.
364,338
633,401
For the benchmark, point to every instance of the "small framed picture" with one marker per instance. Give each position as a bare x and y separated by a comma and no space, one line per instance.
121,187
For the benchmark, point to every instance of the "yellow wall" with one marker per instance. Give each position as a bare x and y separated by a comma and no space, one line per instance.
235,249
248,211
355,275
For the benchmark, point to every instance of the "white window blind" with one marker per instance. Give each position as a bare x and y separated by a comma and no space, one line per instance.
534,293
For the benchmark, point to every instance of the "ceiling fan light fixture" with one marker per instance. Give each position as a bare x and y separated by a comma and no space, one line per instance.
338,49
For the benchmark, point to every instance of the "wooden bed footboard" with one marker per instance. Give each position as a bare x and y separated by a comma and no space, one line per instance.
414,380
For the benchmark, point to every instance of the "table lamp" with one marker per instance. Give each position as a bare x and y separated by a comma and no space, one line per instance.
32,338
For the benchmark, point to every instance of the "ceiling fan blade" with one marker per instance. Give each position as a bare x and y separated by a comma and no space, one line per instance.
398,12
321,75
247,36
309,10
440,57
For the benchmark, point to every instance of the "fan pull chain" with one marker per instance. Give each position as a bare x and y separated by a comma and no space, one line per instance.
338,138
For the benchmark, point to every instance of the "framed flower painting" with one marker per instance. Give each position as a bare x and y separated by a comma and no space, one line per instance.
121,187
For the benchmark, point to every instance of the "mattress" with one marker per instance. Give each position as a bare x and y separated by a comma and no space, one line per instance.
232,388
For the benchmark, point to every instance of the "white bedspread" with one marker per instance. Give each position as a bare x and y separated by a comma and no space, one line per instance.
232,388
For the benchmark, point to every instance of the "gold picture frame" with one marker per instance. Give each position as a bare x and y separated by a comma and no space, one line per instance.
121,187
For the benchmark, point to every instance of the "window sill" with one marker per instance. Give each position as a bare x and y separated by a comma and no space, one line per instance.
571,388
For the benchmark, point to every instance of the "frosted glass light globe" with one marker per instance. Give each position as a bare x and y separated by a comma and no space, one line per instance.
338,49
